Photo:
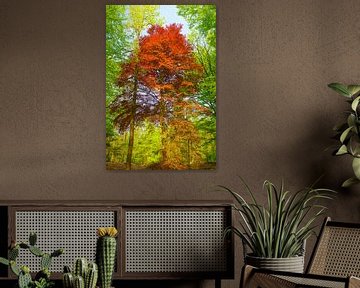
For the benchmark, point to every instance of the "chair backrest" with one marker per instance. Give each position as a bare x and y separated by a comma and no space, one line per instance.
337,251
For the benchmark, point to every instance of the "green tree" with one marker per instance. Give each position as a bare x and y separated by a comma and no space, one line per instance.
117,48
202,22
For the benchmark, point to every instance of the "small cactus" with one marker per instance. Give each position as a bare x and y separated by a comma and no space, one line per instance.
32,238
67,269
23,273
106,254
79,282
24,280
68,280
36,251
45,261
84,274
24,246
91,276
13,253
14,268
80,268
57,252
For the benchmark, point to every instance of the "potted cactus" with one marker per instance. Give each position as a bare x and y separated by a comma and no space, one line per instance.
106,254
85,275
42,278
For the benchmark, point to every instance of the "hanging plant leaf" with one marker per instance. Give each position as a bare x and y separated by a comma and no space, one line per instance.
349,182
345,134
353,89
342,150
356,167
355,103
351,120
348,133
340,88
354,145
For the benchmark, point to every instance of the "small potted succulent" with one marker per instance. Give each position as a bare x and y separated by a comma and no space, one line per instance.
348,132
275,233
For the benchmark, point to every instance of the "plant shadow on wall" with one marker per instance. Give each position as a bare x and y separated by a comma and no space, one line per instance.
160,87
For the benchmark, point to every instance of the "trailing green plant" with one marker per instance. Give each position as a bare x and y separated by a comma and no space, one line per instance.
106,254
279,229
348,132
42,278
84,274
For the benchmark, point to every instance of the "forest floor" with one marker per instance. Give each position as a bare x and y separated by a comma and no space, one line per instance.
122,166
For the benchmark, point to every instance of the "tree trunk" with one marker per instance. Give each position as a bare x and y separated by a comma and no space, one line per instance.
163,132
132,122
189,153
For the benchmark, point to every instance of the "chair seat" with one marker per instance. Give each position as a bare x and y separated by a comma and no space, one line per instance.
315,282
335,262
268,279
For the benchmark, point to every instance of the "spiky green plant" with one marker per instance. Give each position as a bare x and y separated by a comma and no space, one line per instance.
91,275
279,229
42,278
348,132
106,254
80,267
85,274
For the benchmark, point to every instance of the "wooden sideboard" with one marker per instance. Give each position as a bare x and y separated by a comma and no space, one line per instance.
157,240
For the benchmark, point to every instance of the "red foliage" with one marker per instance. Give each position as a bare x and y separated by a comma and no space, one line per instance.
159,84
167,58
166,73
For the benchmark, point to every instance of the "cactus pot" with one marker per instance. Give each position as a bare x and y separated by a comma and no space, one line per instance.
291,264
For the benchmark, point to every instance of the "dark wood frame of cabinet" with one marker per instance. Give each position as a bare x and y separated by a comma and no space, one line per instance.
7,217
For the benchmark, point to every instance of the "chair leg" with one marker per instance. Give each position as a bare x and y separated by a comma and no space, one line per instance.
246,273
217,283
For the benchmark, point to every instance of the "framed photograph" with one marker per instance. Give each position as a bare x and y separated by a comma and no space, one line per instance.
160,87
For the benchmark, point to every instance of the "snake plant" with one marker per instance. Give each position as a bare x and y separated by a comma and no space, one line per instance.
279,228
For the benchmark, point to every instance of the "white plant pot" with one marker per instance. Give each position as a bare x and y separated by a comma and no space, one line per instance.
291,264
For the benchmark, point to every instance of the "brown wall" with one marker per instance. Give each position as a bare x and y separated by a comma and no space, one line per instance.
275,113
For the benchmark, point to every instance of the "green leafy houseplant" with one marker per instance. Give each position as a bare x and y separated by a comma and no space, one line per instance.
349,132
279,229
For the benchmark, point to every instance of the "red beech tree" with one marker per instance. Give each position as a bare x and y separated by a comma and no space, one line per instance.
159,84
171,70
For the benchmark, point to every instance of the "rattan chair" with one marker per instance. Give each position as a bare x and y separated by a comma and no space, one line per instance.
334,263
